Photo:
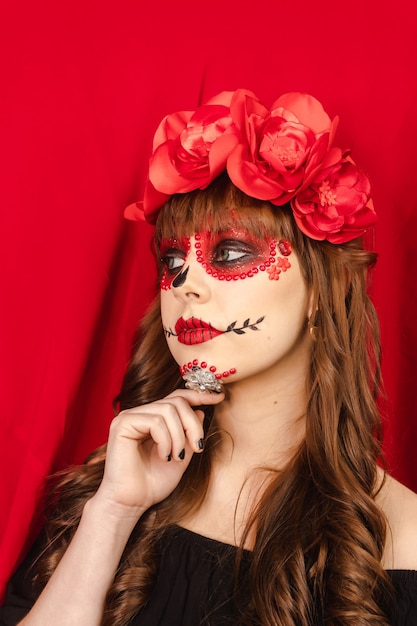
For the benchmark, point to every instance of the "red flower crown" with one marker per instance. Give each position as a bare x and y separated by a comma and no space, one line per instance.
282,154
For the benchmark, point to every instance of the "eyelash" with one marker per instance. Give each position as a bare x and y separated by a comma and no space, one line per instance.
238,247
231,246
171,256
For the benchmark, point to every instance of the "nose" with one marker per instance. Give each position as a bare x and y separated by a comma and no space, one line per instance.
191,282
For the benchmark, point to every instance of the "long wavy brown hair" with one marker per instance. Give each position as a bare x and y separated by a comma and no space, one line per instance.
319,534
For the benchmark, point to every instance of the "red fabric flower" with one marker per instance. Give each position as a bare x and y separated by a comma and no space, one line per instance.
336,206
282,154
190,150
281,148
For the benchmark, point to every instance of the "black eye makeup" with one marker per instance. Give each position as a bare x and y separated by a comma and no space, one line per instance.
173,260
232,251
234,254
173,253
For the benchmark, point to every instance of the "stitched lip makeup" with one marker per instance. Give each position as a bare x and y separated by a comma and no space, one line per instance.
193,331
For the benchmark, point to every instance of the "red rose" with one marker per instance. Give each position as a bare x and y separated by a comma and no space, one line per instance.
280,149
190,150
336,206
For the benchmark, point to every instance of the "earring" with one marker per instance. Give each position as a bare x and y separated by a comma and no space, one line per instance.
312,327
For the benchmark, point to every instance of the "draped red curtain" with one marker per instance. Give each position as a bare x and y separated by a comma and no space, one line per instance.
84,85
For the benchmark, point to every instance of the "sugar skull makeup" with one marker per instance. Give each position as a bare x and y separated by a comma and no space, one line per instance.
173,253
219,325
234,254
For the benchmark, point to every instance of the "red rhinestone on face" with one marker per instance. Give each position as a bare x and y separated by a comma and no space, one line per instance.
284,247
264,251
203,364
232,370
212,369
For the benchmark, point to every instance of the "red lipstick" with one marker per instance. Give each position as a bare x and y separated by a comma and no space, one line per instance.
193,331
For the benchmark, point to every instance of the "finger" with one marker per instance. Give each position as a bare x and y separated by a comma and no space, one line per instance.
139,428
197,398
199,401
185,425
171,423
190,429
199,443
178,417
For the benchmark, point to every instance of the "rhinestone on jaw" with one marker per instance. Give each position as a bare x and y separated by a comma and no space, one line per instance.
201,380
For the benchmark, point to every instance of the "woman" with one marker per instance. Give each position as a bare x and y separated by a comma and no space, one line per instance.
241,481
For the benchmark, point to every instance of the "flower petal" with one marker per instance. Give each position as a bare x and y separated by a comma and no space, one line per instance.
307,109
170,127
152,202
163,174
219,153
247,176
135,212
224,98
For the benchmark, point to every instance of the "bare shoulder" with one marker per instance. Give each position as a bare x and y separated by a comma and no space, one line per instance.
400,507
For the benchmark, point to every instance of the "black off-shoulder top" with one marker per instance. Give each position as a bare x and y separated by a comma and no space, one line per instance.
195,587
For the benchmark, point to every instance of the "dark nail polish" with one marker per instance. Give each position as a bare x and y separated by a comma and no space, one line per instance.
182,455
169,457
200,444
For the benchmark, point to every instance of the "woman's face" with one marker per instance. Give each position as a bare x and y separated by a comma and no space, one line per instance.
233,304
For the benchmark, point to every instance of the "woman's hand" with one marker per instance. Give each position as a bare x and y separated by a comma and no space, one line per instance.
137,474
149,449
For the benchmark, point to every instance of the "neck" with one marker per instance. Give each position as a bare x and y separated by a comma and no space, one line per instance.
263,420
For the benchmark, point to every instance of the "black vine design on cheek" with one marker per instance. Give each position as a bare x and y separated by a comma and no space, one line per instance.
241,330
180,279
246,326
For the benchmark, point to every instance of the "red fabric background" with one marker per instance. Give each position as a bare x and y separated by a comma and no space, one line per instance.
84,84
